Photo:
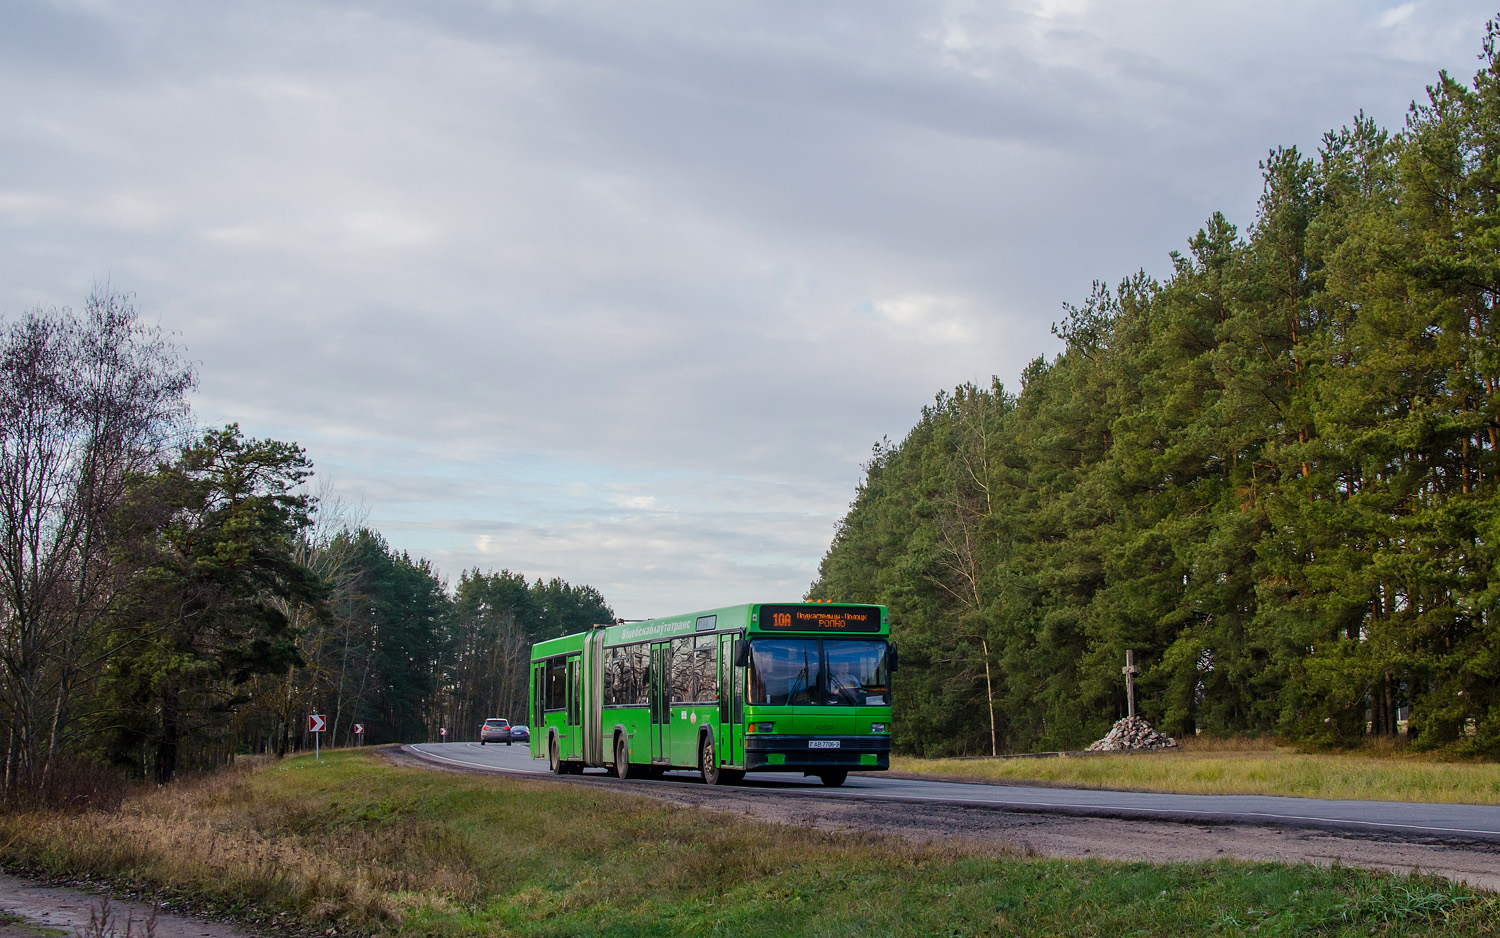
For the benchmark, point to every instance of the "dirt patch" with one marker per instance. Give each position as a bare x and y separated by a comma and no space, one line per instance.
37,910
1001,829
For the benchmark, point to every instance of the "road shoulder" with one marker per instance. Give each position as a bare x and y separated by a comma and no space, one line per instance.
995,829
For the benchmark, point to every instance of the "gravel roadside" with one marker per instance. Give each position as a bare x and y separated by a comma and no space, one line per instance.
1053,835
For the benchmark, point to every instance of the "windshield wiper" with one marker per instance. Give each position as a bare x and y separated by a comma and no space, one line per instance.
851,691
801,681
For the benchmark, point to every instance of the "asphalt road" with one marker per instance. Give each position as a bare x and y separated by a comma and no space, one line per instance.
1459,822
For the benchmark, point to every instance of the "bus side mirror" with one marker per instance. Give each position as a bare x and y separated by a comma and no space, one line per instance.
892,658
741,652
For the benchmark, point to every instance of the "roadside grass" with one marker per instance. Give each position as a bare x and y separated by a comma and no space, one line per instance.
353,843
1253,767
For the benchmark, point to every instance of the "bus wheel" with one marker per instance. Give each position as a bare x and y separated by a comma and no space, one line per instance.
834,778
708,761
553,762
623,768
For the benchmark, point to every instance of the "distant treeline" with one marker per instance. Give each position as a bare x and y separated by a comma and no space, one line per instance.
1273,475
389,648
170,596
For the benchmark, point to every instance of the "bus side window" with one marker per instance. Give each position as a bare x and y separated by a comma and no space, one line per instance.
706,669
640,671
557,684
613,682
681,675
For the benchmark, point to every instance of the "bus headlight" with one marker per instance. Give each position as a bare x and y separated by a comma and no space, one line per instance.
877,727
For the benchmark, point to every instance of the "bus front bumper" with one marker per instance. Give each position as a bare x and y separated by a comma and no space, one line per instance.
781,753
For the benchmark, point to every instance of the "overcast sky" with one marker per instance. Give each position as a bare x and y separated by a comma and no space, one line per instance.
625,292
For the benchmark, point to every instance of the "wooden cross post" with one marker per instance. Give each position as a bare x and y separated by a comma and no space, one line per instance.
1130,671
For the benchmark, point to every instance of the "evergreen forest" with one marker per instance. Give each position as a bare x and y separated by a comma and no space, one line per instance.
172,595
1272,474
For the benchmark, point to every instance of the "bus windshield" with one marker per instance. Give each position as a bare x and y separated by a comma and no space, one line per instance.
820,672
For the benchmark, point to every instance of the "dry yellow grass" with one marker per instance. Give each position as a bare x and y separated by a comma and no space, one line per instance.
353,840
387,851
219,834
1241,767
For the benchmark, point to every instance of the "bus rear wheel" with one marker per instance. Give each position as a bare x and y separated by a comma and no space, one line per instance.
553,762
834,778
623,768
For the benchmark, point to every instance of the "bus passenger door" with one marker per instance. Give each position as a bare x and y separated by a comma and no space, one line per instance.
572,750
730,740
536,717
661,710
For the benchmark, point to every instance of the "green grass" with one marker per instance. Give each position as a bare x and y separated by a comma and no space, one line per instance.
1249,771
356,843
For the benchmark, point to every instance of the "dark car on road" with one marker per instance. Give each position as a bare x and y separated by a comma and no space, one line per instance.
520,734
495,730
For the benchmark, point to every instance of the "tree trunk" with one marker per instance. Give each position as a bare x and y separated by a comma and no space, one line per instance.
171,732
989,693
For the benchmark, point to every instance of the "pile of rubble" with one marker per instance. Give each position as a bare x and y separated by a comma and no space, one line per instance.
1132,733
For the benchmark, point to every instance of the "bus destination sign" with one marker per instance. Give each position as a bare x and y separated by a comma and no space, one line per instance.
820,618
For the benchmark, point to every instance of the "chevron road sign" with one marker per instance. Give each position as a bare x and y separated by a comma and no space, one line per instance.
316,724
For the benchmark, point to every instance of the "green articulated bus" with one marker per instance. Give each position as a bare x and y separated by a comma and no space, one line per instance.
785,687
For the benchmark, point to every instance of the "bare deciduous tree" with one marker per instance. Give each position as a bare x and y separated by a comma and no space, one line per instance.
961,512
85,401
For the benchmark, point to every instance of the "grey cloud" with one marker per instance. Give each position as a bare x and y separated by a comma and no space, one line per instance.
55,41
510,269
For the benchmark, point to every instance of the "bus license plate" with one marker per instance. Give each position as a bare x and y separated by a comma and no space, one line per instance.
825,744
